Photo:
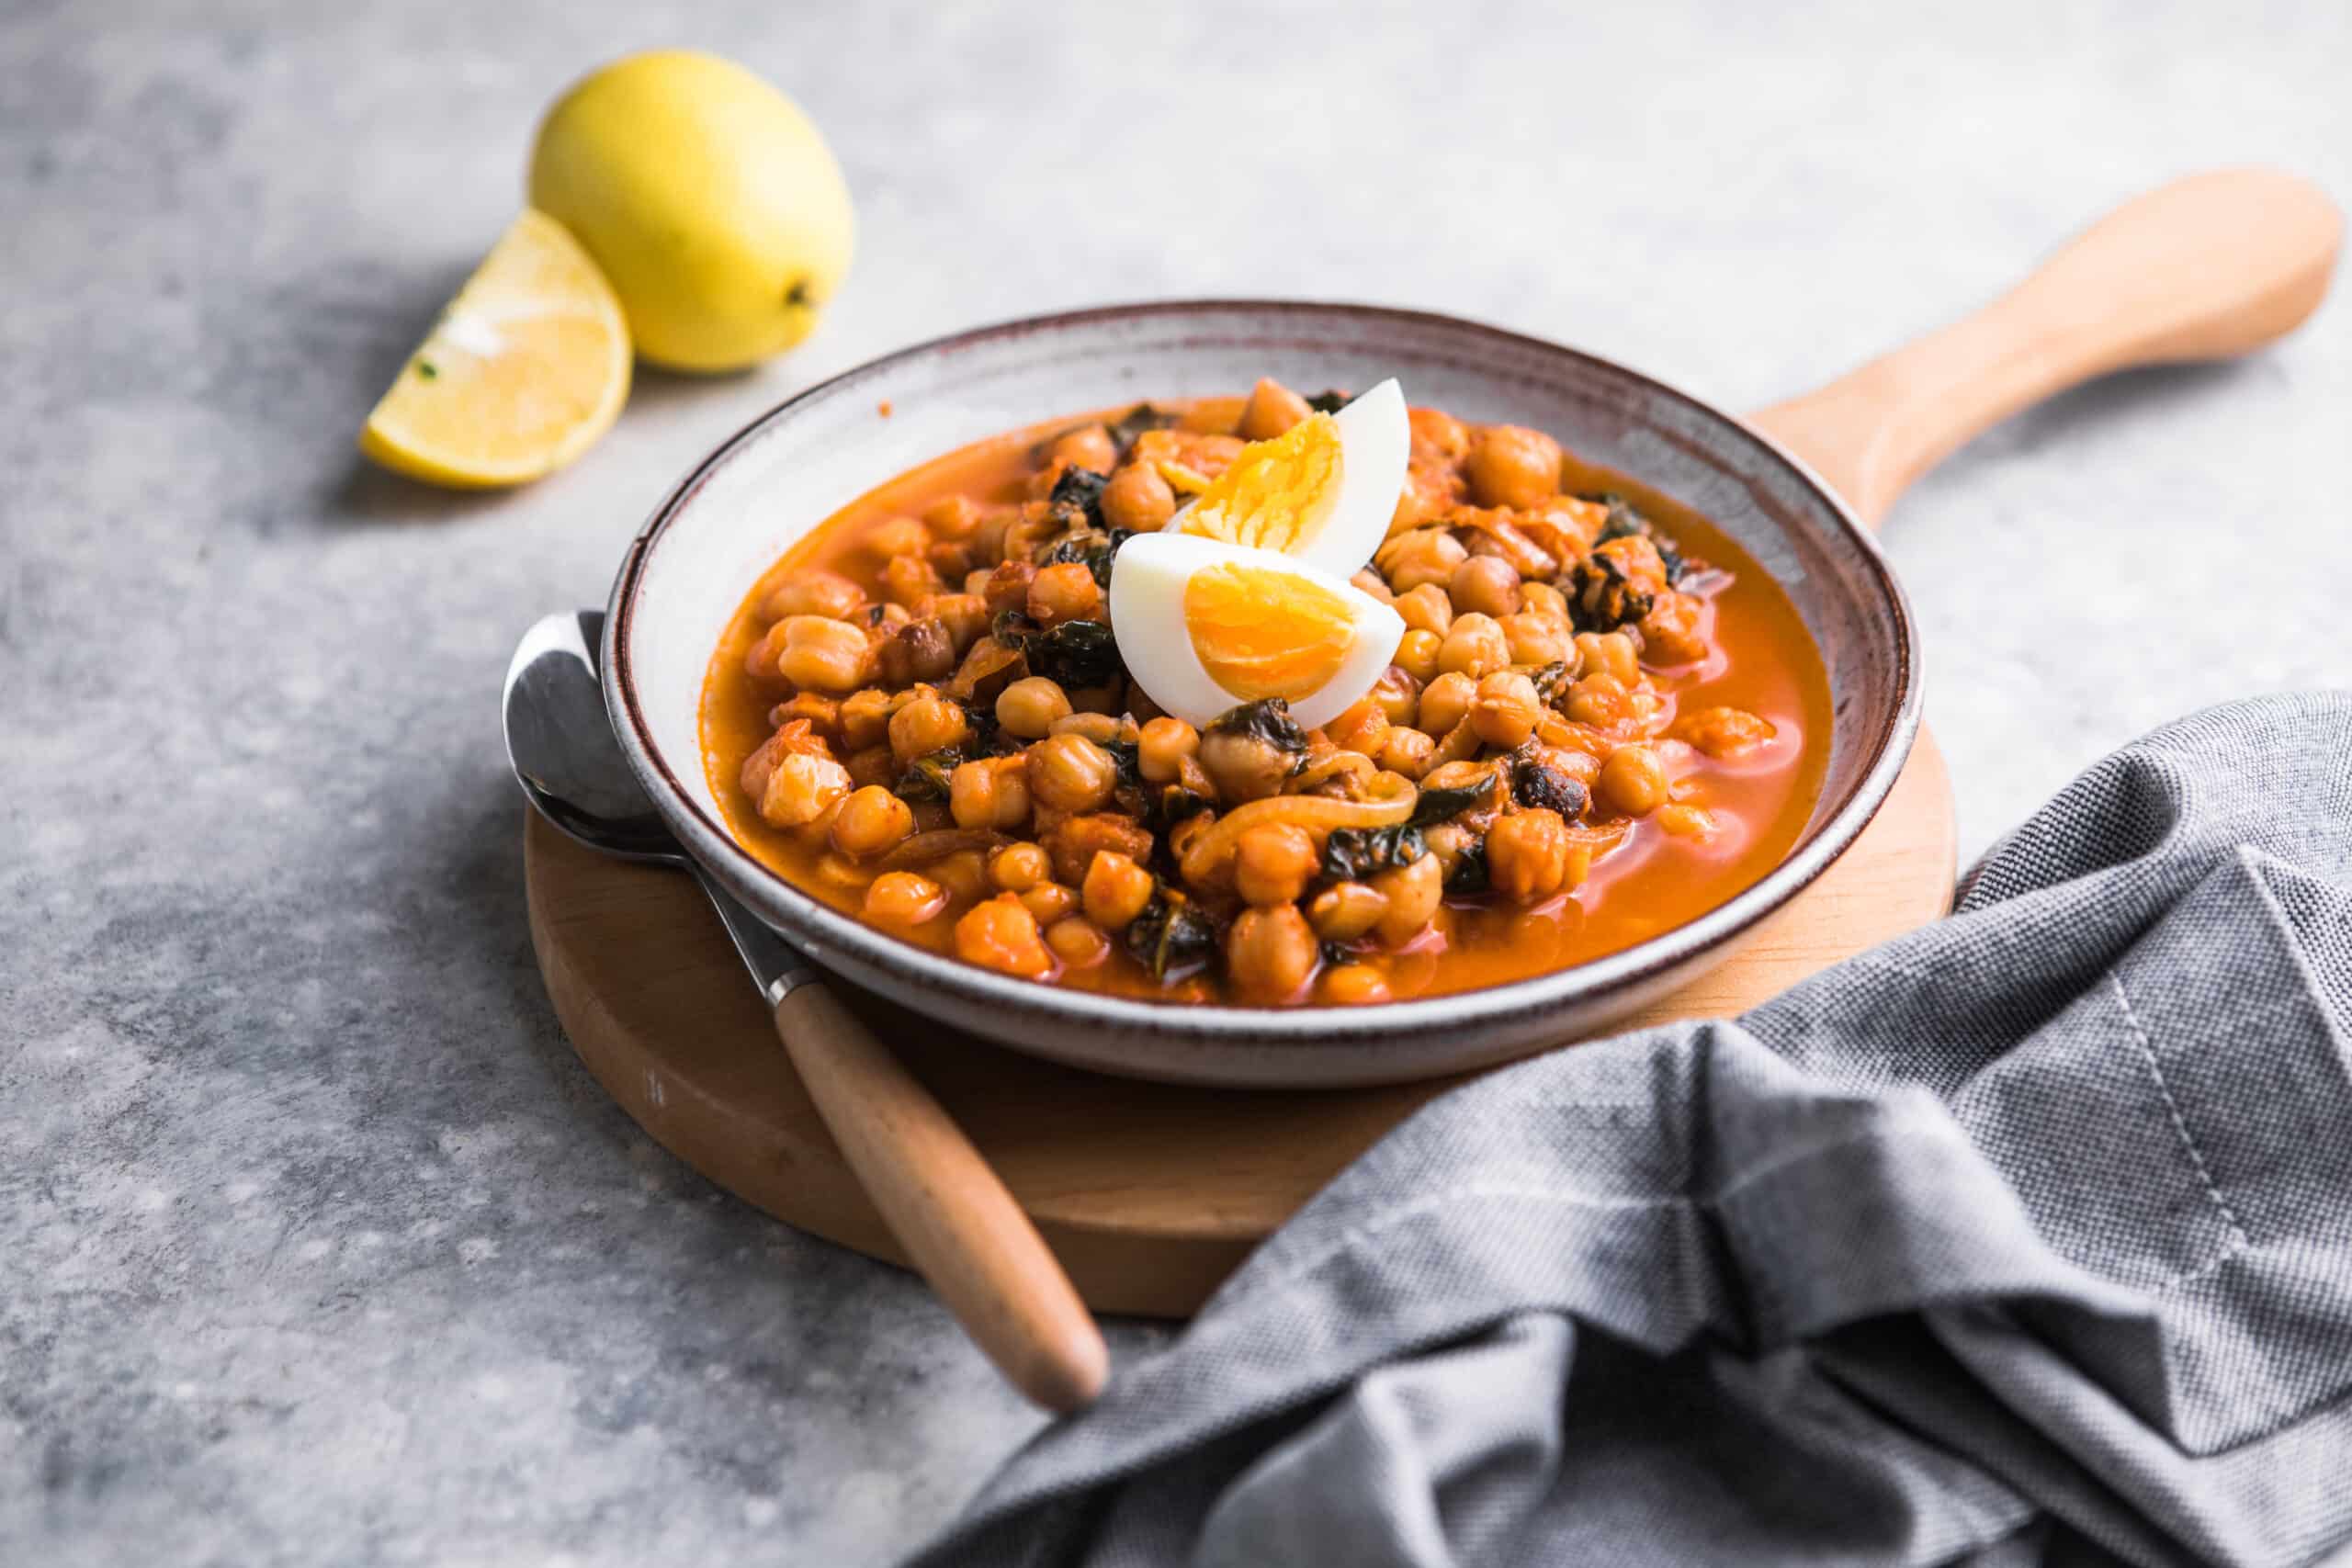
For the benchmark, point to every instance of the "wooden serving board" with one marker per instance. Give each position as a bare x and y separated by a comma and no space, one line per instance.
1149,1194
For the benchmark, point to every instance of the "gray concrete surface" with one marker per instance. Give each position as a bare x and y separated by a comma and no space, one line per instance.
316,1246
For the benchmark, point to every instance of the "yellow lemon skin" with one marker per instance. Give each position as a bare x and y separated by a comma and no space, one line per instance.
708,199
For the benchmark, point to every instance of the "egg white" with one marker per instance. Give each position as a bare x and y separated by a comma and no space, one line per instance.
1148,580
1375,440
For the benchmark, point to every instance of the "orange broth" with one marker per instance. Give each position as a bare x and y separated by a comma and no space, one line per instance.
1762,662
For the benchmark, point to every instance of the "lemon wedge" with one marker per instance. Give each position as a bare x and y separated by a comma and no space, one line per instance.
526,366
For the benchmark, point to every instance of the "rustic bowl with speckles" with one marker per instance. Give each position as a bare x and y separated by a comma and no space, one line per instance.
740,507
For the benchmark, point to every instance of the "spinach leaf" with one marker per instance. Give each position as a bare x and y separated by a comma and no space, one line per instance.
1469,875
1089,547
1438,806
926,778
1077,497
1356,853
1172,935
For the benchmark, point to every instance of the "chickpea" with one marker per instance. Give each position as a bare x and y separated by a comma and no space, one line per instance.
1609,653
1272,863
1103,699
1371,581
1424,554
1440,432
1008,587
1631,782
814,592
801,789
1513,465
1505,711
871,821
1163,749
1448,842
1269,954
1360,727
823,714
1417,654
873,765
1088,447
817,654
1029,706
1474,646
964,875
953,517
1428,608
965,616
1406,751
1398,695
1446,701
865,717
1527,855
1077,942
1543,599
1537,641
897,536
904,898
1048,901
1139,499
991,793
1600,700
1722,732
1346,910
1002,935
1413,893
1100,728
1273,409
1245,767
1487,585
1685,821
1017,867
1115,890
907,580
919,651
1070,773
924,725
1674,632
1064,592
1353,985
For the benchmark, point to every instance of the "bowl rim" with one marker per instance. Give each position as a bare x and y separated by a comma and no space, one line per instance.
826,932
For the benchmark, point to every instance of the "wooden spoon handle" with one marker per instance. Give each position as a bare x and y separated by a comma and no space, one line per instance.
961,1228
2203,268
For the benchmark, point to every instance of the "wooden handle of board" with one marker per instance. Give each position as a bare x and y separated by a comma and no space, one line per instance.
2206,267
961,1229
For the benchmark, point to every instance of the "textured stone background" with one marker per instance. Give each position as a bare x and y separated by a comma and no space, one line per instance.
315,1244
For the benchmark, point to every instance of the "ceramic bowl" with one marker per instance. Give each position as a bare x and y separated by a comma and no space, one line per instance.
730,519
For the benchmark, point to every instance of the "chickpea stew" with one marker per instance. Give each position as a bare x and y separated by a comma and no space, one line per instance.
1603,719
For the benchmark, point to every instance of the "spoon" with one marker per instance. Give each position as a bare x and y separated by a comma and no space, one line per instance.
949,1211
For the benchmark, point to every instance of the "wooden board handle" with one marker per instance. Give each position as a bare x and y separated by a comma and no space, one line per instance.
961,1228
2204,268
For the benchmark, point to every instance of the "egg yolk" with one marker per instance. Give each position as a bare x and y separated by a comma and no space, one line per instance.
1266,634
1276,492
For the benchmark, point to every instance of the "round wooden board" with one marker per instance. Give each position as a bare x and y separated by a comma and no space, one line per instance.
1149,1194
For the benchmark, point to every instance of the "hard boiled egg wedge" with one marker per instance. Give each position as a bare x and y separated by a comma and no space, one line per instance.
1205,625
1322,491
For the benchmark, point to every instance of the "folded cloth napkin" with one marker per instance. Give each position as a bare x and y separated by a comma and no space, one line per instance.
2024,1237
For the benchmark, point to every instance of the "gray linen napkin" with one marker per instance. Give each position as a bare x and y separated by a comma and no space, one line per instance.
2024,1237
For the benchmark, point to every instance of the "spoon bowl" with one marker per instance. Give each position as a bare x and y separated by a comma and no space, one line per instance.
562,745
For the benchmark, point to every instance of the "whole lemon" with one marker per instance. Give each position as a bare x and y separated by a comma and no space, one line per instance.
707,198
